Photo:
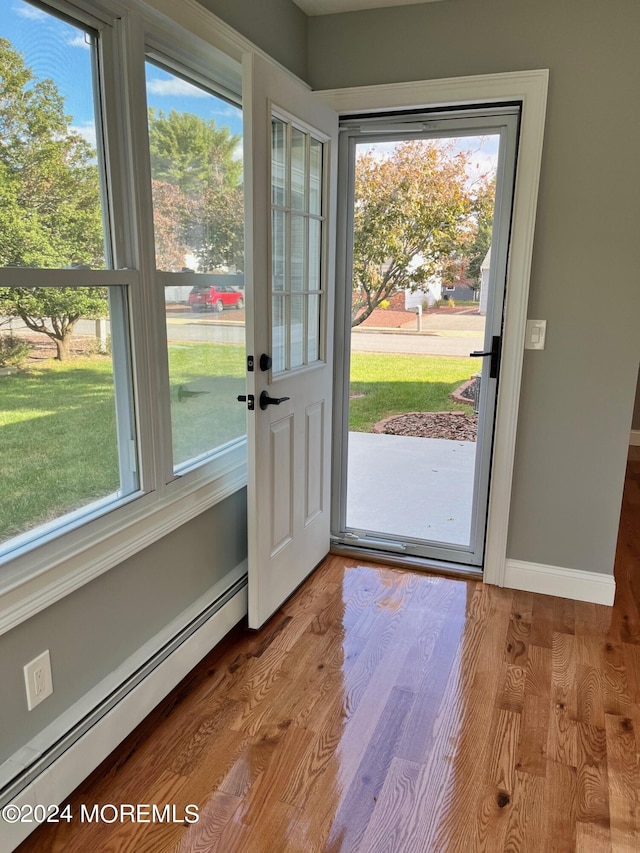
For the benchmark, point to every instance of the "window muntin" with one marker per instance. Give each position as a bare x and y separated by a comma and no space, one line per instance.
195,141
297,223
67,422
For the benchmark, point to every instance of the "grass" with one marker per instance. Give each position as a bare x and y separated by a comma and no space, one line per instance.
395,384
57,441
205,382
58,444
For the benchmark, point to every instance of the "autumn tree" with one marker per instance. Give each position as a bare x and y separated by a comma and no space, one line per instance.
50,213
413,213
172,211
197,191
483,207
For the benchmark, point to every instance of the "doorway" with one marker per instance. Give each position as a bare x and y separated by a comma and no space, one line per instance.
426,229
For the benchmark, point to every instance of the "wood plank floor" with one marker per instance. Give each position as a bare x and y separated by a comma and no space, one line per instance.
387,710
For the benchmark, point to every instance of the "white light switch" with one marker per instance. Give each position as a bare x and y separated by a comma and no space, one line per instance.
535,334
37,679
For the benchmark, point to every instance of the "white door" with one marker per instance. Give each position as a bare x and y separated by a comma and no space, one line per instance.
290,155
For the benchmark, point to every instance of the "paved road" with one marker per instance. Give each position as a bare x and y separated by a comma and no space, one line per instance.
437,341
455,342
422,344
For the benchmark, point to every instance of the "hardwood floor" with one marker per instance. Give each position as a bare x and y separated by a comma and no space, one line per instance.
386,710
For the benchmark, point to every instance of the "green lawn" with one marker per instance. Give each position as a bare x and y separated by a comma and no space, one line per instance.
58,446
57,441
205,382
394,384
57,420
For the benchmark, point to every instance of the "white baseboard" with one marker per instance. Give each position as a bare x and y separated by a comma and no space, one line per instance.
67,772
635,437
566,583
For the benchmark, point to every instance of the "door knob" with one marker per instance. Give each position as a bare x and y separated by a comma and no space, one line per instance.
266,400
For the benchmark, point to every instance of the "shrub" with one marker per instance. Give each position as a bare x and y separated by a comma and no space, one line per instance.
13,351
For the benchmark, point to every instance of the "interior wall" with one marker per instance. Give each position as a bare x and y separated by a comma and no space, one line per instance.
278,27
95,629
577,395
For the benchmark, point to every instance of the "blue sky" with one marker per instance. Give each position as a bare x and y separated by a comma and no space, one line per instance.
52,48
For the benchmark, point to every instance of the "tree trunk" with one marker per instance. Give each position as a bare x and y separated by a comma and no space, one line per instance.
63,348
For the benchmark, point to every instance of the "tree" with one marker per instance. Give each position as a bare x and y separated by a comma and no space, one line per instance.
50,211
172,211
190,152
51,192
483,207
54,311
413,214
202,213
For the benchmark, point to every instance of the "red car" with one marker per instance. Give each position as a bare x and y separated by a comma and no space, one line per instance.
219,296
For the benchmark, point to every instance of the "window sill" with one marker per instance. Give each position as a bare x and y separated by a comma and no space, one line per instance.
36,579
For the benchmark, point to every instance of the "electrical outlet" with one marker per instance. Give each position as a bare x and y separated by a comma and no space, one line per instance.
38,680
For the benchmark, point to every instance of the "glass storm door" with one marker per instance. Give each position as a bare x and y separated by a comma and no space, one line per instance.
426,233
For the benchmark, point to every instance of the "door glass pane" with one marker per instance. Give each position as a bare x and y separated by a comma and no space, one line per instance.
297,330
51,163
278,334
315,177
278,249
315,235
278,162
313,342
298,169
298,251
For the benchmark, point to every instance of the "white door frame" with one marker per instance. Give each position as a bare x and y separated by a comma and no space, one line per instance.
529,88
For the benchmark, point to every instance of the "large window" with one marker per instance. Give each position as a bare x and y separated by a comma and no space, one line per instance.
66,417
195,141
122,344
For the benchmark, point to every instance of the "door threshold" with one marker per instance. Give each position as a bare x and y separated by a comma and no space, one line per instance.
424,564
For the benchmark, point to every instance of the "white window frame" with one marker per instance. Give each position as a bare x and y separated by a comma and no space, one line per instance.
79,547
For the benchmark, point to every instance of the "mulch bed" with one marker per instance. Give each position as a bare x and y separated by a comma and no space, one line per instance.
390,318
456,426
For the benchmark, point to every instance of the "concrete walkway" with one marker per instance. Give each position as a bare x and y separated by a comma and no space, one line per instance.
420,488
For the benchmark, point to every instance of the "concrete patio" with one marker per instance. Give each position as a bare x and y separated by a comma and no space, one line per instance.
414,487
